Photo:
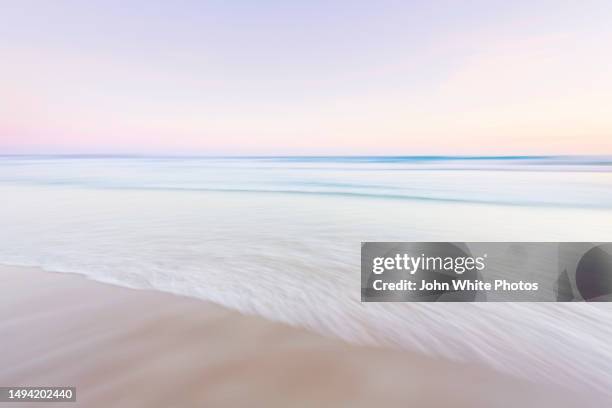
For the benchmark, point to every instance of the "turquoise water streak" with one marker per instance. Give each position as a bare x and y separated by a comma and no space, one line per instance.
514,180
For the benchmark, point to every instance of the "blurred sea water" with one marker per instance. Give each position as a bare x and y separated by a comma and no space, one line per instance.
280,237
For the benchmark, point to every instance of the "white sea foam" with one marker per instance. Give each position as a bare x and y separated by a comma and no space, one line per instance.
281,238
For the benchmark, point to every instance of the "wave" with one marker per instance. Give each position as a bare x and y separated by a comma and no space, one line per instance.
350,194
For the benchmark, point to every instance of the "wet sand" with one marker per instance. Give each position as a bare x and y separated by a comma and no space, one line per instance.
135,348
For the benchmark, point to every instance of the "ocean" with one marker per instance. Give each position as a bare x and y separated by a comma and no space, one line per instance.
280,237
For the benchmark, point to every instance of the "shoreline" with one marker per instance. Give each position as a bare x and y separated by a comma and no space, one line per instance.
128,347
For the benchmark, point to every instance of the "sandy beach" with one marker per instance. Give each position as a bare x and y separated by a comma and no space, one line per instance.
129,348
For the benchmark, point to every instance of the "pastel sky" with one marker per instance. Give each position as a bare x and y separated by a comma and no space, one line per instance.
306,77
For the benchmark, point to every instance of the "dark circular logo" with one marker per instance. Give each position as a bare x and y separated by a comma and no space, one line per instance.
594,274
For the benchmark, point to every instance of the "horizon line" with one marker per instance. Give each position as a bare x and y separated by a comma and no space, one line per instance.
314,156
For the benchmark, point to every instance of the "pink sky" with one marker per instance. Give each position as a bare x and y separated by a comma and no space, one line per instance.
310,78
